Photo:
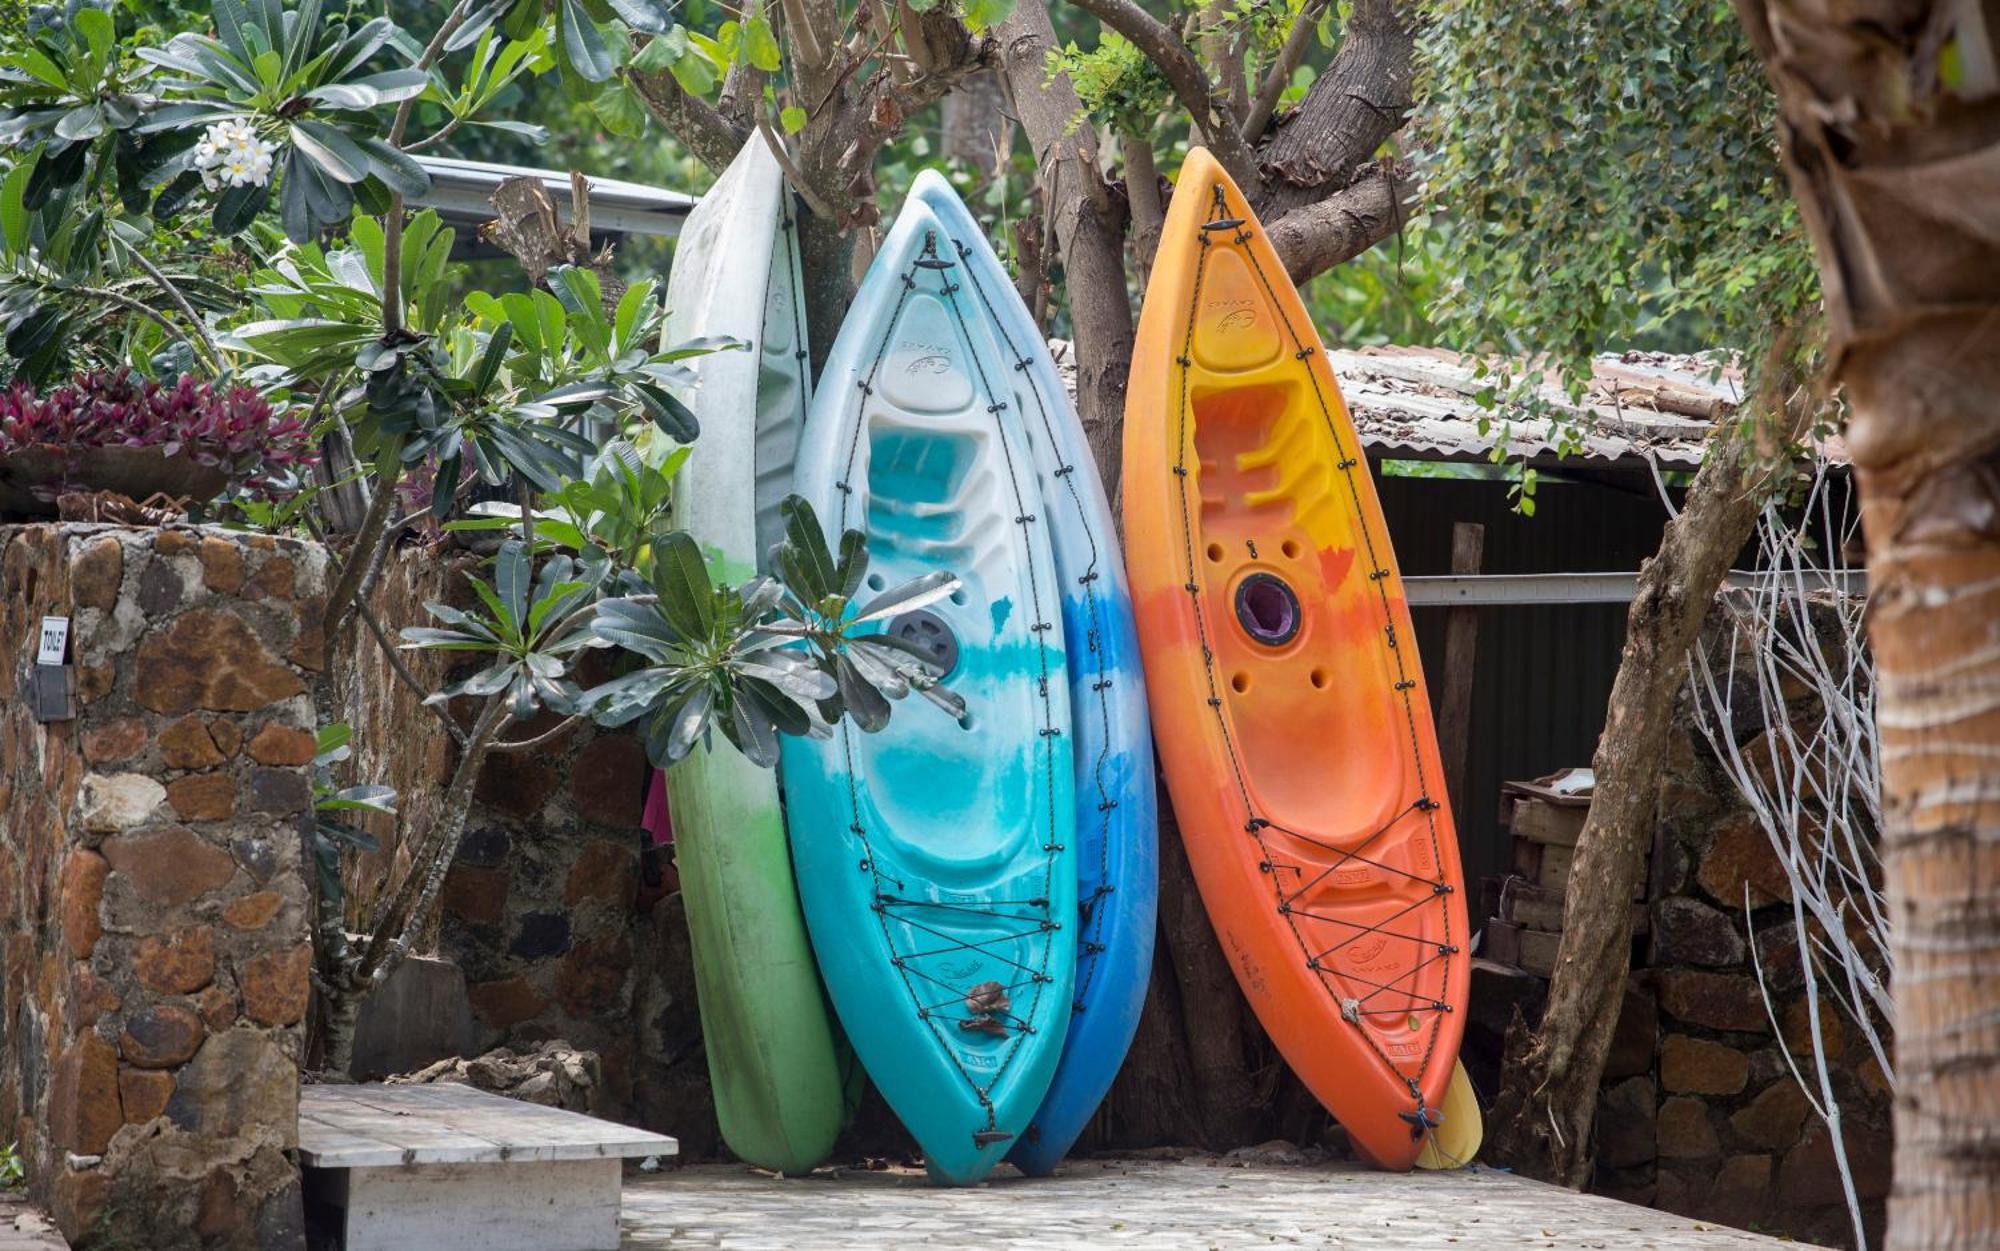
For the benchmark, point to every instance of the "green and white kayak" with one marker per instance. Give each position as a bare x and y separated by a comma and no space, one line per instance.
774,1055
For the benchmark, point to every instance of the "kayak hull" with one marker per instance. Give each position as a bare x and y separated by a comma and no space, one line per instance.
773,1051
1116,818
1288,700
936,860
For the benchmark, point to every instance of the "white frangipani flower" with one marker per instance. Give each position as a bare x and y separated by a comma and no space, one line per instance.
230,154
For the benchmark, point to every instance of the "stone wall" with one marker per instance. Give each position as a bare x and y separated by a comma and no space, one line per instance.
1700,1113
151,883
563,917
1733,1135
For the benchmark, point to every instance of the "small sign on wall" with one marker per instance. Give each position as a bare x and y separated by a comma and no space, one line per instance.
55,641
52,686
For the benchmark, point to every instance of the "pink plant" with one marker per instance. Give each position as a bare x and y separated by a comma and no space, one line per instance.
233,430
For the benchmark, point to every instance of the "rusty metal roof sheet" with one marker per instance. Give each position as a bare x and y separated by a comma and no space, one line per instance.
1419,403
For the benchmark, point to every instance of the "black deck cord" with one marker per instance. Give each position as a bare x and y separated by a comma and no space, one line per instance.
801,352
885,902
1422,1118
1089,942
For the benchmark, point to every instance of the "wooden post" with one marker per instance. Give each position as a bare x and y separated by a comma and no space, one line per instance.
1461,648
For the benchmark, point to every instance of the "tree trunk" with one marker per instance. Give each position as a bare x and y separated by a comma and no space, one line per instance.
1142,192
975,123
826,263
1089,230
1548,1098
408,910
1893,151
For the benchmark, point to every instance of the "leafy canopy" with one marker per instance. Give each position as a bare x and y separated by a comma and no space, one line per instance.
1606,170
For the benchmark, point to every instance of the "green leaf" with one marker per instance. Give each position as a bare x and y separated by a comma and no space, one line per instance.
680,576
233,22
694,74
918,592
99,31
804,537
331,149
981,15
689,721
582,45
37,64
660,53
513,572
490,361
620,111
83,122
793,119
760,44
237,207
397,169
853,564
13,204
647,16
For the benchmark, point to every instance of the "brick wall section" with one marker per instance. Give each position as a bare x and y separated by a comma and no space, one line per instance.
155,945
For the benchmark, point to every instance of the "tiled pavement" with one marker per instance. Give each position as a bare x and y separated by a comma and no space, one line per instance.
1196,1203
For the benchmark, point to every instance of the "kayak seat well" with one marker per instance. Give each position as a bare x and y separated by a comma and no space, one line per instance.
1264,492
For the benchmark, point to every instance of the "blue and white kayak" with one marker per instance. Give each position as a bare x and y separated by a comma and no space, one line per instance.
936,861
1117,820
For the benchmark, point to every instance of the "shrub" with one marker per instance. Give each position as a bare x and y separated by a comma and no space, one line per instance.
232,429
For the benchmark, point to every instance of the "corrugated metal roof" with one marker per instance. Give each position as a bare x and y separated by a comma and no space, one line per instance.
462,191
1419,403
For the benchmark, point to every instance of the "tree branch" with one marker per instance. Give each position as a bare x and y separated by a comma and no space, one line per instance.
402,671
180,302
713,138
129,304
792,172
1281,71
392,222
1189,81
1348,112
1334,230
528,744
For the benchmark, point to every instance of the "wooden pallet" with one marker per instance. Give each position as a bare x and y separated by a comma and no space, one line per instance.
446,1167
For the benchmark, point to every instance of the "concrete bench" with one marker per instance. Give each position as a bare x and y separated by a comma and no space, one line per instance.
446,1167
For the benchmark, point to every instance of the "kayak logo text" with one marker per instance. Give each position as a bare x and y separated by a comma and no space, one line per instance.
929,358
1238,314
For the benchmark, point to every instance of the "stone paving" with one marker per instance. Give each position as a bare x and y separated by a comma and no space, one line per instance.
1201,1202
24,1229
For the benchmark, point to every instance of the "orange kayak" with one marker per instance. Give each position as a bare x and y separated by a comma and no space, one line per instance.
1288,701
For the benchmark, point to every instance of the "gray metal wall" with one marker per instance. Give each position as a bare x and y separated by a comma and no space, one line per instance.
1543,673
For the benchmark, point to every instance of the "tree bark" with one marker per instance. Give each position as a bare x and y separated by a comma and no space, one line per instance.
1089,229
1348,112
408,909
713,138
1332,231
1894,157
975,125
1142,192
1542,1120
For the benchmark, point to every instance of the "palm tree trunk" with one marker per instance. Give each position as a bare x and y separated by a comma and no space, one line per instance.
1890,130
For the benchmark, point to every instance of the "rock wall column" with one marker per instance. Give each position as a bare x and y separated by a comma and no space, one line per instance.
152,888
